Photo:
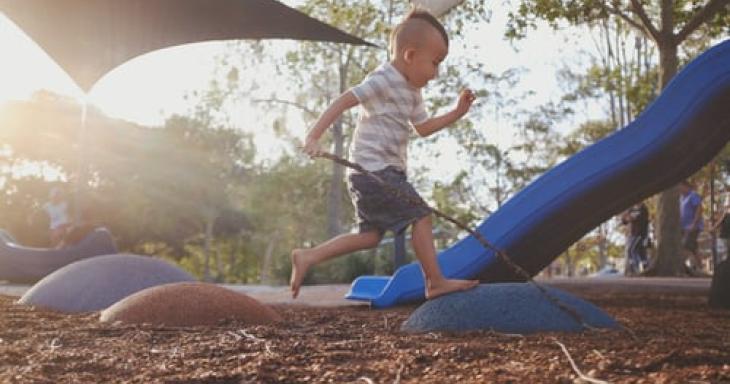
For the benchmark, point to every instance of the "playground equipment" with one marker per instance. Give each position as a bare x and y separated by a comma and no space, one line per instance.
508,308
19,264
682,130
189,304
96,283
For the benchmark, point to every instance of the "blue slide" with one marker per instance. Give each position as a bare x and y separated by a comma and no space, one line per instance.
681,131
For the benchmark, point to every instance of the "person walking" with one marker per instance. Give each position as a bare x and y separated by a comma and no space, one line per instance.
636,219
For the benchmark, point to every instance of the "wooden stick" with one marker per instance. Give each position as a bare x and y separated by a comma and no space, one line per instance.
575,367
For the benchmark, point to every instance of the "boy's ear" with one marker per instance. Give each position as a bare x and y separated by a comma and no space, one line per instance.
408,55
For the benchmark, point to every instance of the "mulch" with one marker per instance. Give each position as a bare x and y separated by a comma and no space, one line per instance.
668,338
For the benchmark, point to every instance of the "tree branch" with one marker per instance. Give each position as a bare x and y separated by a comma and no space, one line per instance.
580,374
704,14
346,66
623,16
360,66
648,27
290,103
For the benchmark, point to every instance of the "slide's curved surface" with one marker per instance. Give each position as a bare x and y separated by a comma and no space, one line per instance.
682,130
19,264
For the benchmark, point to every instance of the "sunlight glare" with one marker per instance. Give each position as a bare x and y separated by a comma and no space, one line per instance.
25,67
149,88
36,169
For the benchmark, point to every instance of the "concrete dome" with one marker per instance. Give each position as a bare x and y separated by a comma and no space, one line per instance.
96,283
189,304
507,308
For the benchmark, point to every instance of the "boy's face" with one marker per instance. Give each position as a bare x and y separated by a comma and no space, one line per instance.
423,61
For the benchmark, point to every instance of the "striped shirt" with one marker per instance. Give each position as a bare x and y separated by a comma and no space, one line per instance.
389,105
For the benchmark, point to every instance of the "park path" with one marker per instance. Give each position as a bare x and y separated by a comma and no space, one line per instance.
333,295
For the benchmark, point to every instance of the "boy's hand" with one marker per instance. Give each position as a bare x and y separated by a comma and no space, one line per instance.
466,98
311,147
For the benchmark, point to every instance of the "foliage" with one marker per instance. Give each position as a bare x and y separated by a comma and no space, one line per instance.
153,187
555,12
584,255
587,134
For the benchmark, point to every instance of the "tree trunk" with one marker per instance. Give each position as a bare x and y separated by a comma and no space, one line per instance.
334,197
569,266
619,65
626,74
608,63
720,287
233,253
670,258
334,200
219,273
209,221
268,261
602,245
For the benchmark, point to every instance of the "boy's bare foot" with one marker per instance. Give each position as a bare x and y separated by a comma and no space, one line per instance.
443,287
299,267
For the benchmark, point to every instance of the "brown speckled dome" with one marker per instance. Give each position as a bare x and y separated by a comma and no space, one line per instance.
189,304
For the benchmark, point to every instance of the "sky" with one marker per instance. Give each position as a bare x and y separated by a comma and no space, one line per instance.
151,87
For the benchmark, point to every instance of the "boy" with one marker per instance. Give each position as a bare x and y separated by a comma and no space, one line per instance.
391,101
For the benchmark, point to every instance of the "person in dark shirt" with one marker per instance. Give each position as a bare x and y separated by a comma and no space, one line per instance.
637,220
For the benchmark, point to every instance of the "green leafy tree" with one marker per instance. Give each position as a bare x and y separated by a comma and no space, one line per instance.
215,159
322,71
153,187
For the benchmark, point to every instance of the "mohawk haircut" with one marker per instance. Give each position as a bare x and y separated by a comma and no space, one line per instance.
424,15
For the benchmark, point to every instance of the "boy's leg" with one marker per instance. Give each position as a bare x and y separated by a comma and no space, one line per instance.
303,259
436,283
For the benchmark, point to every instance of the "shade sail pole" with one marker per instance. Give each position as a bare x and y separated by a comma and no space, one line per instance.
81,141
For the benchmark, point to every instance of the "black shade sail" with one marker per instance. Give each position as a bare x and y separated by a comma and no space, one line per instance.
88,38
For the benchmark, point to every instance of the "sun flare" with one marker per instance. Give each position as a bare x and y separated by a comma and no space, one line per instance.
25,67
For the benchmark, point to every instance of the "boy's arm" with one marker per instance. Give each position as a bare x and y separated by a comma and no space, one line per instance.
342,103
433,125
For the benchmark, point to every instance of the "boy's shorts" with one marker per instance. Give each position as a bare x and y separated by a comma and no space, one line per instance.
381,210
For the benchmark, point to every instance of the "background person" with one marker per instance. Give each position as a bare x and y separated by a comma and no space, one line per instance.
58,214
636,219
690,219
